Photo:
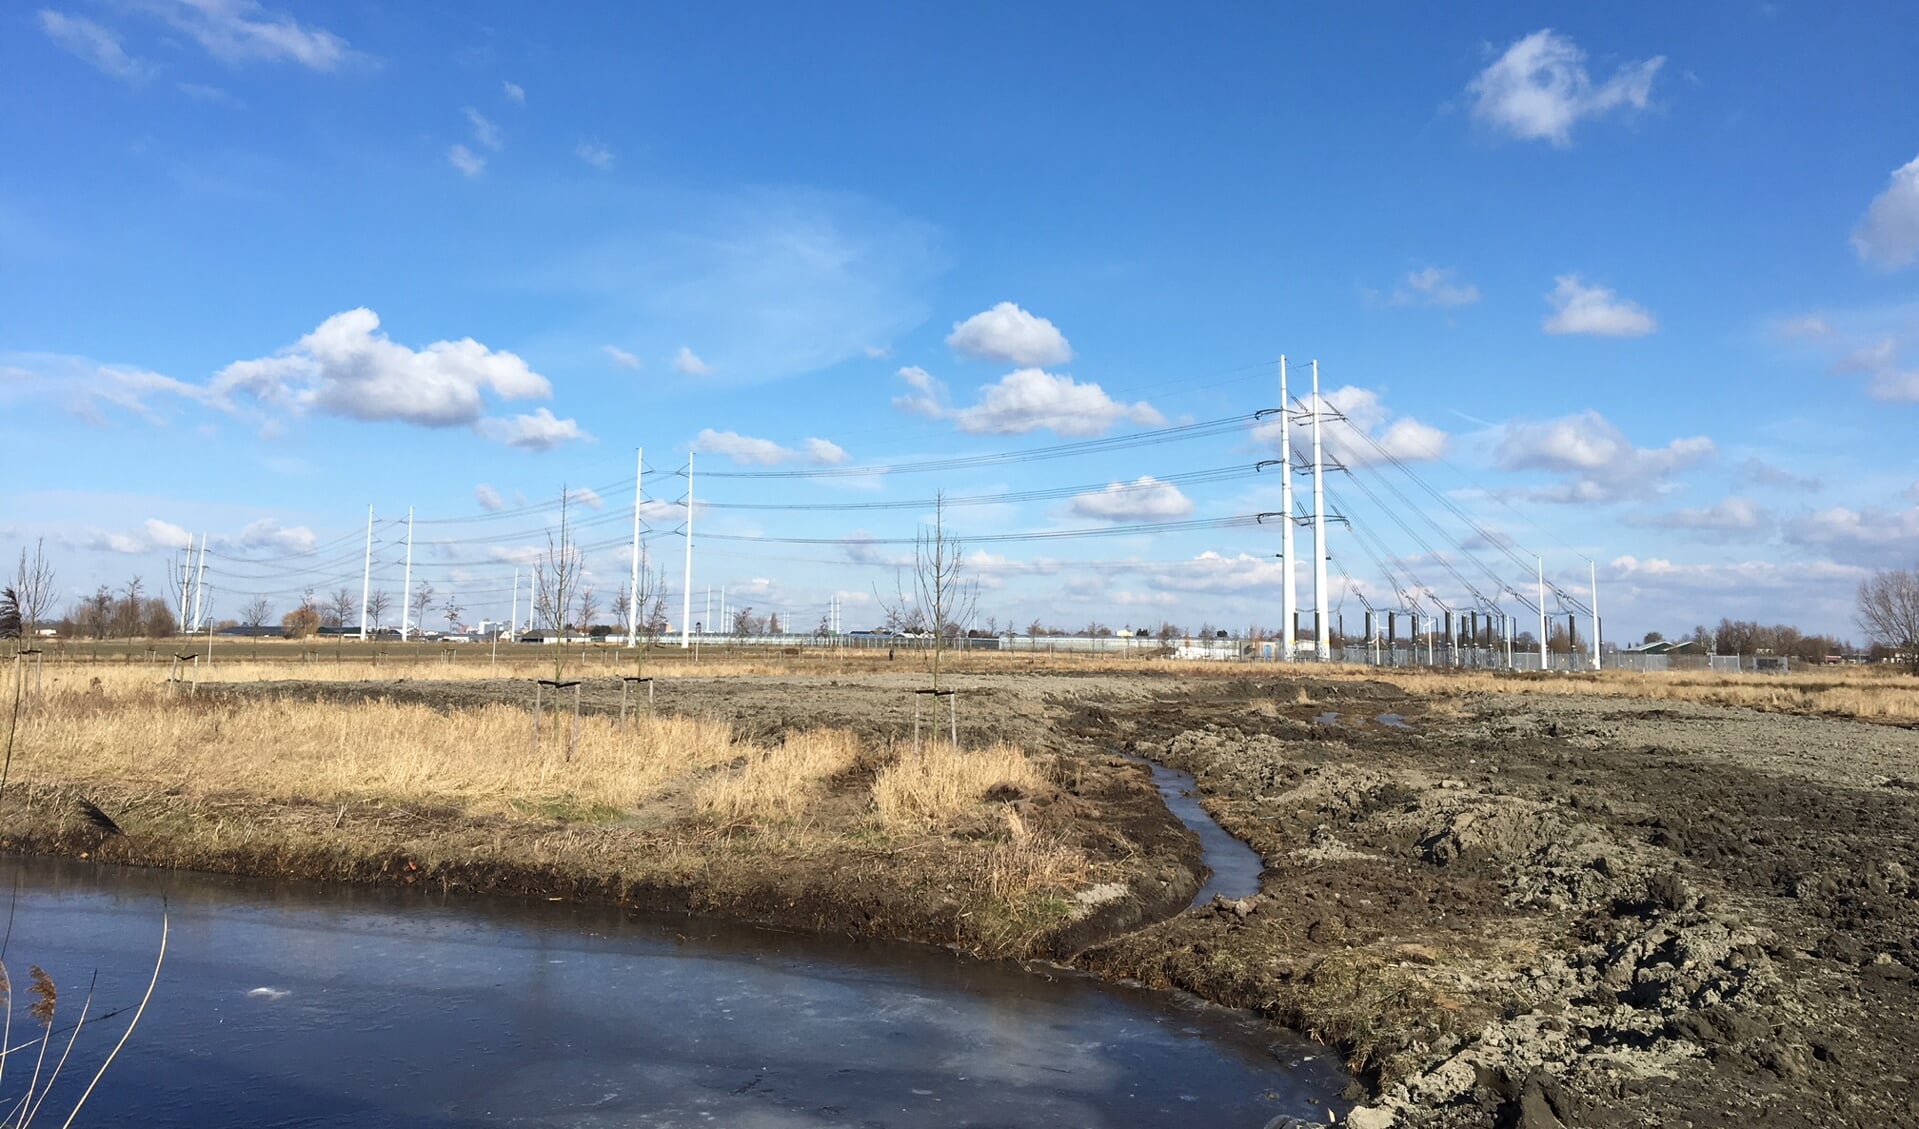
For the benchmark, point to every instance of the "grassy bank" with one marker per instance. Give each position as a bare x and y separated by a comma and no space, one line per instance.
814,828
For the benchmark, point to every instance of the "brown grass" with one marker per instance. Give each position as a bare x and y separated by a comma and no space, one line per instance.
938,785
781,782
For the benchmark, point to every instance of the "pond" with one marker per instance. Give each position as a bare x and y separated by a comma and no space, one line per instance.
298,1004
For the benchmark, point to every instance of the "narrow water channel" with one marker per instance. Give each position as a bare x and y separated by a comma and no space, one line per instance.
1233,868
295,1004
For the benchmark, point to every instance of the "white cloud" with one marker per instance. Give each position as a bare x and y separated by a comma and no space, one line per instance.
94,44
1539,89
595,153
1809,326
621,357
878,352
1725,519
1763,473
1030,399
537,432
1870,532
749,451
165,535
489,498
824,452
1866,358
1146,499
466,160
1435,286
1660,574
1888,236
269,534
515,93
1595,310
1008,333
689,362
1211,572
348,367
1404,438
1599,463
85,387
235,31
586,496
484,131
928,397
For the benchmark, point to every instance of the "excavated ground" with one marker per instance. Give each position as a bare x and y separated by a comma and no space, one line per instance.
1504,909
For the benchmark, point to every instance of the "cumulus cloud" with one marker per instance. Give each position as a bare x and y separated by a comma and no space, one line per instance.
515,93
595,153
466,160
1662,574
1726,519
1888,235
1869,532
1434,286
1008,333
489,498
1031,399
269,534
1366,417
1595,310
348,367
166,535
1539,89
1145,499
586,496
1598,462
540,431
621,357
689,362
749,451
94,44
1212,572
928,395
237,31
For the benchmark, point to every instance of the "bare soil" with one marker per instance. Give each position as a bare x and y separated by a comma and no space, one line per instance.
1504,909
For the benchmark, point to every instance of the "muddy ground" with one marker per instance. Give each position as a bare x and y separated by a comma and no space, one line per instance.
1505,909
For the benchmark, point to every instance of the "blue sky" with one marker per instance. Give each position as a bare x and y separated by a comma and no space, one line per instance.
1638,284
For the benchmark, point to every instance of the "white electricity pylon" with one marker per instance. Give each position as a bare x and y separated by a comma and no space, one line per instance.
1322,626
686,597
366,577
406,580
633,593
1289,599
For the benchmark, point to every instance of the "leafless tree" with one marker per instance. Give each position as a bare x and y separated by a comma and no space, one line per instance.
946,595
418,601
452,611
1889,612
340,608
743,621
586,607
556,576
129,613
158,621
377,606
255,612
33,587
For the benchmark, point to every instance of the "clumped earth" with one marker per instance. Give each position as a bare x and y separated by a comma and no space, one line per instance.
1542,911
1504,909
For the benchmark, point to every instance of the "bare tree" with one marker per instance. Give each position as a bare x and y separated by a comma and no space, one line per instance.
452,611
339,608
586,606
33,585
418,601
1889,612
255,612
623,611
743,622
556,576
773,624
945,594
377,606
129,612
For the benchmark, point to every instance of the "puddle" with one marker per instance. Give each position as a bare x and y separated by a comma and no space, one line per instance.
1394,720
1330,717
